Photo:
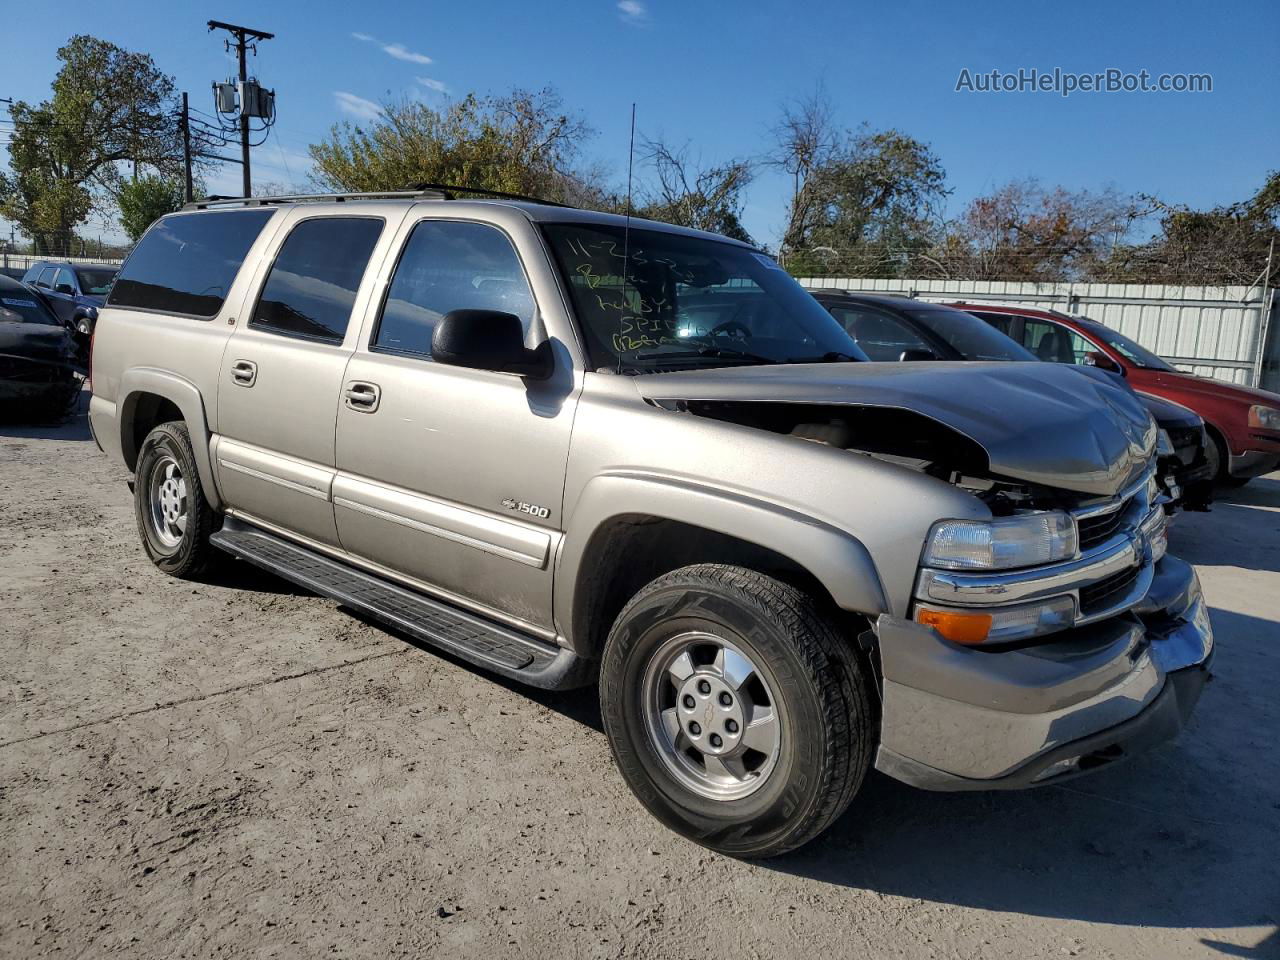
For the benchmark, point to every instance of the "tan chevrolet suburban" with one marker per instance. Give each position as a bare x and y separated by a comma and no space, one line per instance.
569,448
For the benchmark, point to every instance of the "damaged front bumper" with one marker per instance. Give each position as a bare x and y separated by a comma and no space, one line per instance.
962,718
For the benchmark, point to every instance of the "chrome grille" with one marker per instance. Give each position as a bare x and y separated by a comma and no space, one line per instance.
1107,592
1096,530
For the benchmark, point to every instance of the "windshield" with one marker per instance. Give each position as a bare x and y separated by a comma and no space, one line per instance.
22,306
970,337
688,302
95,282
1135,353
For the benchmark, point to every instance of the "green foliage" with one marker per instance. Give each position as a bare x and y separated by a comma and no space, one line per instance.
109,107
145,200
520,143
862,201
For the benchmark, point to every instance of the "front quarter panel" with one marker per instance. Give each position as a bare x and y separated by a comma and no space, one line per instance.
857,524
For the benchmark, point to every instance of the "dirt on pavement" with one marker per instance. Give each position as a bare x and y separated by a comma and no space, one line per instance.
235,768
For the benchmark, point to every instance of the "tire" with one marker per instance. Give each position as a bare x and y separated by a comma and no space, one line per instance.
803,674
1216,454
179,547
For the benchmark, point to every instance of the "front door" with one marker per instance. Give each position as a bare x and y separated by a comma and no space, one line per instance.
448,476
282,374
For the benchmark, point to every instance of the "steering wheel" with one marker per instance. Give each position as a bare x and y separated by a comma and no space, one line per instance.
730,327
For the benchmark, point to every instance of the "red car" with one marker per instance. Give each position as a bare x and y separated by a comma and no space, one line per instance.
1243,423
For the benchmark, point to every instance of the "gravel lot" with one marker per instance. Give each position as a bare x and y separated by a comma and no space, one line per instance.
235,768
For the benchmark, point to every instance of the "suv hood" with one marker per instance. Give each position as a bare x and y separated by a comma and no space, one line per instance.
1038,422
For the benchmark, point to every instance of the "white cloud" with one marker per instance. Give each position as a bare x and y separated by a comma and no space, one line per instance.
632,11
358,107
401,52
430,84
397,50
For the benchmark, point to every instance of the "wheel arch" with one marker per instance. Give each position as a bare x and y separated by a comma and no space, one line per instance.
151,397
626,531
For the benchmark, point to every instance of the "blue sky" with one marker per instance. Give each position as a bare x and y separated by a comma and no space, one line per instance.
714,73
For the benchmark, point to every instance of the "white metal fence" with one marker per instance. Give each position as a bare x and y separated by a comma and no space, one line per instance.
1231,333
23,261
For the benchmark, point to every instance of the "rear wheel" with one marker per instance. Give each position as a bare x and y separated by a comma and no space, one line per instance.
735,709
174,518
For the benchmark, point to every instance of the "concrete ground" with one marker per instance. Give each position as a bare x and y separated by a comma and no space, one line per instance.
238,769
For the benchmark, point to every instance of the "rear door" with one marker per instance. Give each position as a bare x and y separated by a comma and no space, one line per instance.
448,476
283,366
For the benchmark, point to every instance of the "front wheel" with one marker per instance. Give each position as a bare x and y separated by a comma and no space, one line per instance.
174,518
737,712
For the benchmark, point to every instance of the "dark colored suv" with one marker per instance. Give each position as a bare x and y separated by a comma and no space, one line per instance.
74,290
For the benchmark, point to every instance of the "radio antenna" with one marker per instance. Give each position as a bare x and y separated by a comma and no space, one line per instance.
626,230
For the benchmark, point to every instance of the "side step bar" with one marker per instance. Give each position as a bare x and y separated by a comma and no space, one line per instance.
465,635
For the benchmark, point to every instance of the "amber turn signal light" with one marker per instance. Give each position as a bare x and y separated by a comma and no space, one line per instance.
957,626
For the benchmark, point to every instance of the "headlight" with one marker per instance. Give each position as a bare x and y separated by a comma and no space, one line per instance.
1004,543
1264,418
1164,444
999,624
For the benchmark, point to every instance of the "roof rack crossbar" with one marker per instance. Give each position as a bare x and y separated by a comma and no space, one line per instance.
418,191
217,201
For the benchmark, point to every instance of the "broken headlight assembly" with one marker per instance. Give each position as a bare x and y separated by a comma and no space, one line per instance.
1003,543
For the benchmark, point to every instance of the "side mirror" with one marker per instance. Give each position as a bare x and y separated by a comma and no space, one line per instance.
915,353
64,288
488,340
1096,358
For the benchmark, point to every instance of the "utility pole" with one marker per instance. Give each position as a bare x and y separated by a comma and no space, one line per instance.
186,149
242,37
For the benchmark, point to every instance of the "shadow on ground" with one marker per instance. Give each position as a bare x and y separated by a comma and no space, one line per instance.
71,426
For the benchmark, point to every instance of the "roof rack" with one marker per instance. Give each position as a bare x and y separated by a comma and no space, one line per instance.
448,189
218,201
418,191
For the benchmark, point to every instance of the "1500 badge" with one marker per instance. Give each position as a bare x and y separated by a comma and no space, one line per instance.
532,509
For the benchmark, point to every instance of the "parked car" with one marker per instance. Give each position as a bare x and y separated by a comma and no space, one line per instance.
76,290
38,377
570,447
1242,422
889,328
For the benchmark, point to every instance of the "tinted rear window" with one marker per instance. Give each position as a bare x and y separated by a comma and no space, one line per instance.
186,264
313,282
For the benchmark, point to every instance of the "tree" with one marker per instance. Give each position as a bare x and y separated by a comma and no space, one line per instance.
691,195
109,107
145,200
1221,245
519,143
862,201
1023,231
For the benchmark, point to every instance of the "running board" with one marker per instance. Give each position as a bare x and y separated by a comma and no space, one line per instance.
467,636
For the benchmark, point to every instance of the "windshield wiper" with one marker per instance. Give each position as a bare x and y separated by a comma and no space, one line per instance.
718,353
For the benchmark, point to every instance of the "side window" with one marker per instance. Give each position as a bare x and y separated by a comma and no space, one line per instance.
187,262
1001,321
881,336
312,284
450,265
63,279
1053,343
46,278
